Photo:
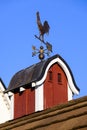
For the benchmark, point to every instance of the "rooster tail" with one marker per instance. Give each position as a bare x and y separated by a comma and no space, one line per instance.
46,27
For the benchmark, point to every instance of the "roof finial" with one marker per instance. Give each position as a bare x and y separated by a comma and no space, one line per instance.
42,29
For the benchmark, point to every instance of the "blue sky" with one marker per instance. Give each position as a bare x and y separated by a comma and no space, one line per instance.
68,35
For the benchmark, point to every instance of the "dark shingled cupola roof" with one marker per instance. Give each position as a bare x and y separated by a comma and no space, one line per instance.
32,74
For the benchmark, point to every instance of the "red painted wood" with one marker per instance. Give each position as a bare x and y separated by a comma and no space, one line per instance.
30,102
24,103
54,92
19,104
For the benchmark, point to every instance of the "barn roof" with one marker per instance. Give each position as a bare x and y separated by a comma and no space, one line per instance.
68,116
35,73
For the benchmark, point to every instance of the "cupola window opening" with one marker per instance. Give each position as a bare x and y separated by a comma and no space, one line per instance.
50,75
59,78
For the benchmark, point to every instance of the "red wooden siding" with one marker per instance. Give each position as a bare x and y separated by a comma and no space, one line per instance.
55,92
24,103
30,102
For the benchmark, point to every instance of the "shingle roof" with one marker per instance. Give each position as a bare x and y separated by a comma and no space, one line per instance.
29,75
33,73
69,116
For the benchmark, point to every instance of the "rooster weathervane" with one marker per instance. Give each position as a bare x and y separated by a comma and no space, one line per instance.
43,29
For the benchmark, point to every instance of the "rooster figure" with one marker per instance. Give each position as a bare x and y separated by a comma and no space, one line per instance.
42,28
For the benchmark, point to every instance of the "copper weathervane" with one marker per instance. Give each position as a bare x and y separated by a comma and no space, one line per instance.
43,29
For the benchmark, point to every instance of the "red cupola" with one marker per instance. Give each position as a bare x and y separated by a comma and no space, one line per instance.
42,85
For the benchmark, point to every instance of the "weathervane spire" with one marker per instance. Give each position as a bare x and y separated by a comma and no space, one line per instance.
43,28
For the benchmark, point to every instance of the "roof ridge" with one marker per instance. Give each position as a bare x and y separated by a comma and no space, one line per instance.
2,83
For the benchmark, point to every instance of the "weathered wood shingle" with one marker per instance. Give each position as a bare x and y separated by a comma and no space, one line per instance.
69,116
